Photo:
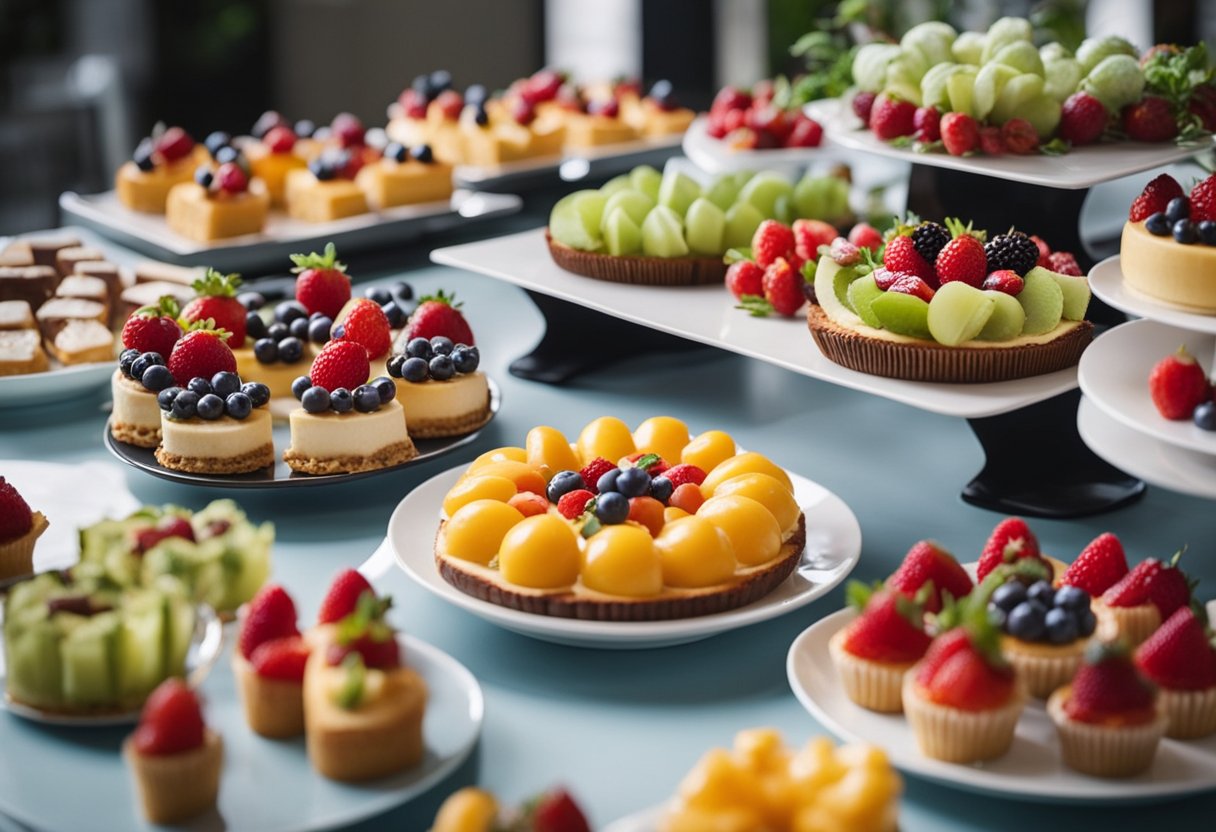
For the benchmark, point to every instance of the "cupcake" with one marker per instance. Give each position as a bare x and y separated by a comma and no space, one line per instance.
1044,631
928,564
874,651
1011,542
269,665
1180,660
1134,608
1108,719
19,530
175,757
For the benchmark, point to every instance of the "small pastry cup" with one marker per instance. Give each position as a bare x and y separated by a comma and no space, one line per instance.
875,686
1041,667
1131,624
17,556
1105,750
175,787
274,708
958,736
1191,713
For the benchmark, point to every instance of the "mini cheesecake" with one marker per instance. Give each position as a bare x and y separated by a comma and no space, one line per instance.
135,419
337,443
445,408
219,446
278,375
1163,269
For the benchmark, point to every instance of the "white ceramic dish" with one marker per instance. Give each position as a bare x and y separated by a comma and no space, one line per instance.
1114,375
1032,769
1106,281
715,155
833,547
56,384
571,166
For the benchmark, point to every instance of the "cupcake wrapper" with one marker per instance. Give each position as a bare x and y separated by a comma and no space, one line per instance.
957,736
872,685
17,556
639,270
1102,751
1191,713
1132,624
175,787
1042,674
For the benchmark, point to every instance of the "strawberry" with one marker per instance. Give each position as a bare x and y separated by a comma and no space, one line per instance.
340,364
366,633
730,98
201,353
910,284
890,628
1178,385
1203,105
1044,252
16,519
684,473
1155,197
1004,280
366,324
928,562
771,240
321,282
1019,136
231,178
343,596
449,103
902,257
1082,119
215,298
1203,200
1151,119
280,139
153,328
1165,586
963,669
281,658
960,134
962,259
1100,566
891,117
1063,262
270,615
863,106
809,235
991,143
439,314
573,503
347,129
378,652
171,721
864,235
783,287
806,132
1011,540
1108,688
413,103
166,527
595,469
1179,656
744,278
556,811
927,124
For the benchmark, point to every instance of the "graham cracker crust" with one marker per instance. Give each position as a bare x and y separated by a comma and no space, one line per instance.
637,269
137,435
385,458
453,426
253,461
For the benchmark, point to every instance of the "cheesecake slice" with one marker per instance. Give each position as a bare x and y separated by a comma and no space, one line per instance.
219,446
338,443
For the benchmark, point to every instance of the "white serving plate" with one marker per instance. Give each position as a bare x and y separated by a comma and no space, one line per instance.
1032,769
1114,372
833,547
1106,281
1080,168
56,384
571,165
715,156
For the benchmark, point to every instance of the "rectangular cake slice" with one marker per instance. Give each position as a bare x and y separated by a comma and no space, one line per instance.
80,342
32,284
46,249
67,258
16,314
21,353
55,313
17,253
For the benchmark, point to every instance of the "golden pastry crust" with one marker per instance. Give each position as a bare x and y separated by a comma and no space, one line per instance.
454,426
174,787
638,270
274,708
245,463
137,435
394,454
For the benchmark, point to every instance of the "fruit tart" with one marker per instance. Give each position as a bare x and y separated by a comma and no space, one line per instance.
269,665
174,757
326,189
428,112
1108,718
875,650
160,162
20,529
1168,249
1180,659
405,177
148,338
221,202
945,304
499,131
363,707
474,810
1144,598
608,529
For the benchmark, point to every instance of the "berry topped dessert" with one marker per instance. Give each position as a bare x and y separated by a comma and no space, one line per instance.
148,337
326,189
165,159
272,156
223,201
20,529
495,131
269,665
405,176
1169,244
428,112
927,564
1143,598
1011,541
618,527
473,810
1108,719
1181,660
1181,390
945,303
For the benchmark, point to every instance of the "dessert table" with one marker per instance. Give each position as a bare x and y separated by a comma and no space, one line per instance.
620,728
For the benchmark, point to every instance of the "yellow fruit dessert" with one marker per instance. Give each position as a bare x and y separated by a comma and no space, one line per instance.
158,164
312,198
272,157
405,177
1157,264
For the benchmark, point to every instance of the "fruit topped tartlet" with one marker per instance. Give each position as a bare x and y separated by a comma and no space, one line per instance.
658,113
1181,660
405,177
428,112
1168,248
938,303
160,161
474,810
20,529
148,338
1142,599
1108,719
613,528
269,665
326,189
272,157
497,131
221,202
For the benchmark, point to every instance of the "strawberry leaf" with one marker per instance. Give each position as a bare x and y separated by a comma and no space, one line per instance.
166,306
646,461
324,262
857,594
440,297
1055,147
215,284
734,255
755,305
205,325
590,527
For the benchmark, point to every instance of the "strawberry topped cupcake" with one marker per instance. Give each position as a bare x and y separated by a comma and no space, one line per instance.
269,665
20,529
1101,565
1180,659
341,600
1137,605
1011,541
928,564
873,652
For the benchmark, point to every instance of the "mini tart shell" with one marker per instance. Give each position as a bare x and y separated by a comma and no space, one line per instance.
930,361
274,708
485,584
1191,713
1043,667
17,555
637,269
958,736
1104,750
875,686
1132,624
175,787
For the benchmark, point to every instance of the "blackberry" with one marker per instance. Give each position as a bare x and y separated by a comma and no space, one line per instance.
929,238
1011,251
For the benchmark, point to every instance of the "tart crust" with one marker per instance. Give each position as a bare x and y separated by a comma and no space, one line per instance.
930,361
243,464
384,458
141,436
753,584
452,426
638,269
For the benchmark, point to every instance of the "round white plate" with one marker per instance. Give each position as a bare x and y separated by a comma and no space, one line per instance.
267,785
1152,460
646,820
53,385
1106,280
1114,372
716,156
1031,769
833,546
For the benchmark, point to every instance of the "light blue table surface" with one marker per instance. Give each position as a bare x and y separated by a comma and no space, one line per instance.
621,728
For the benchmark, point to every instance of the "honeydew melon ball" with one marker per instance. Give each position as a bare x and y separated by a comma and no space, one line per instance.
1116,81
968,48
677,191
904,74
1020,55
635,203
958,313
621,234
960,88
723,191
1042,299
783,209
763,189
1015,94
822,198
1043,113
575,220
742,220
861,293
663,234
1093,51
1063,75
1007,318
932,40
933,85
705,227
903,314
1075,290
1005,31
615,184
989,82
647,180
870,65
1054,51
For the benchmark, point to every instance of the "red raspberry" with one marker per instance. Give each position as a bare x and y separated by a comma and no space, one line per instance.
809,235
684,473
340,364
343,596
891,118
771,241
270,615
595,469
413,103
1155,197
960,134
173,144
572,503
864,235
231,179
927,122
1004,280
910,284
783,287
1019,136
745,278
1062,262
990,141
449,103
1082,119
1151,119
281,658
863,105
281,139
347,129
1044,252
366,325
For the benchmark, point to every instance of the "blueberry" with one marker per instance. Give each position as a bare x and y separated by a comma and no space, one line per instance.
1042,592
475,94
395,314
385,387
1184,232
367,398
301,384
1087,622
258,393
185,405
1207,232
563,483
422,85
338,332
611,508
1061,626
266,350
1072,598
341,401
125,359
278,331
318,330
291,350
226,154
300,328
143,155
315,400
438,81
607,481
1157,224
255,327
403,290
1205,416
633,482
661,488
210,407
480,117
1027,621
1179,208
203,176
423,153
419,348
395,151
442,345
415,370
215,140
466,359
164,399
393,365
199,386
304,128
224,384
238,405
1009,595
441,368
288,310
157,378
322,168
143,361
663,93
